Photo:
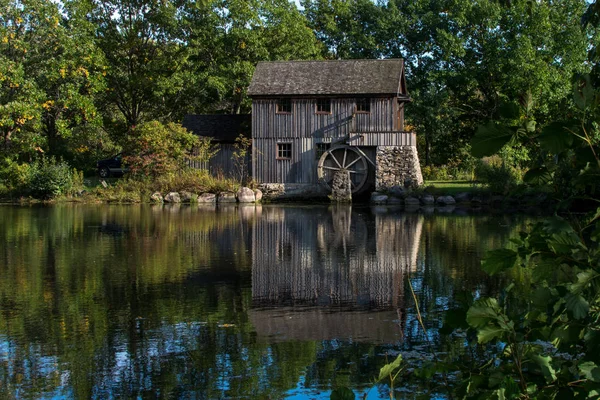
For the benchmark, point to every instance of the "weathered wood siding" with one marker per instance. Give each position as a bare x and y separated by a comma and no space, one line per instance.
303,128
222,162
304,122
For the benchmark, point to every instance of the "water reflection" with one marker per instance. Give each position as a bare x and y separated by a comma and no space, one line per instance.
110,301
355,262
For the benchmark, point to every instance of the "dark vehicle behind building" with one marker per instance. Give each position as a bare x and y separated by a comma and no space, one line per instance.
111,167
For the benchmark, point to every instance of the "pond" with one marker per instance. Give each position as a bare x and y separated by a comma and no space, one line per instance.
236,302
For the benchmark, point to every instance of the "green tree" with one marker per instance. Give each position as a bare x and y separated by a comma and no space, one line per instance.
154,149
20,98
348,29
229,37
139,39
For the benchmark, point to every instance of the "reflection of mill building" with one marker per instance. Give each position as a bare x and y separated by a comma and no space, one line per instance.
336,257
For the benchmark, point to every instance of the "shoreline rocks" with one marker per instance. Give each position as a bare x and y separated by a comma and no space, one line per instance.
243,195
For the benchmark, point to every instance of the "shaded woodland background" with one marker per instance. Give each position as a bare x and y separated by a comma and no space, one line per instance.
77,77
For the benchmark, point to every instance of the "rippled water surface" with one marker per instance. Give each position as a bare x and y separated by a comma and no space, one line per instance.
240,302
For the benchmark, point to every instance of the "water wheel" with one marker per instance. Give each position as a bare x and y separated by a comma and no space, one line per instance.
343,158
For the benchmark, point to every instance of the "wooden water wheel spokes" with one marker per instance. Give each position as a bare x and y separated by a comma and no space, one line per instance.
343,158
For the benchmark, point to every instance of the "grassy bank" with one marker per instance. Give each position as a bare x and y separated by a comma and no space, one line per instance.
132,189
139,190
453,187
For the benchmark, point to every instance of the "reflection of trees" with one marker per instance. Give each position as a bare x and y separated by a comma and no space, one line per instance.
92,300
448,266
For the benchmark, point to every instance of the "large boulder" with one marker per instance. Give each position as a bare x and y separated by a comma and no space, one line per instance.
258,195
245,195
427,200
207,198
186,197
378,198
397,191
412,202
156,197
395,200
445,200
226,197
173,197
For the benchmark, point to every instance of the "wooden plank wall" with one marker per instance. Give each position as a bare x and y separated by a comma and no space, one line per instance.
304,122
303,128
222,163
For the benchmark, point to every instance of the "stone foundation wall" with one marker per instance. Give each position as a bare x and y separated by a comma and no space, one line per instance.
397,166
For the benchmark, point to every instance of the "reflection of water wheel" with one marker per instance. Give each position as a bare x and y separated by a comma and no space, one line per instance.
343,158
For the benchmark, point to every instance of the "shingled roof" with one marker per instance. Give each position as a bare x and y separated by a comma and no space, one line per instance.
221,127
340,77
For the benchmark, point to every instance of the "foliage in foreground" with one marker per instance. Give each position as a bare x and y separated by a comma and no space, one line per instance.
545,330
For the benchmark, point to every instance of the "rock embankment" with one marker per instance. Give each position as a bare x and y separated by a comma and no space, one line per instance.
415,200
244,195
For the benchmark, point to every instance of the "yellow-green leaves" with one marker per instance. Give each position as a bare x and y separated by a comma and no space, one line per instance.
387,370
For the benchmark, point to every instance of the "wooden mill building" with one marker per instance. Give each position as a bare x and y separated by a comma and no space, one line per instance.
223,130
313,118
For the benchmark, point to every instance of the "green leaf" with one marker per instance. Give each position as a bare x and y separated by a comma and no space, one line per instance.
342,393
577,305
583,280
483,312
498,260
388,369
509,110
592,343
538,176
530,126
489,139
565,242
555,137
544,363
500,394
489,333
590,370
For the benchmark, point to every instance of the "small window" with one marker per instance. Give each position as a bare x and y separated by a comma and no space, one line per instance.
284,106
324,106
284,151
363,105
321,149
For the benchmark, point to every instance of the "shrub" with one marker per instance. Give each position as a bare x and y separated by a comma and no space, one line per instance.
500,177
14,176
50,178
445,173
154,149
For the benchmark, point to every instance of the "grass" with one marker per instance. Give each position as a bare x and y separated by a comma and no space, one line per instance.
139,190
452,187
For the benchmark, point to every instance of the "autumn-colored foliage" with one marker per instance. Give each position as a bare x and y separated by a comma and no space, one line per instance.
154,149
